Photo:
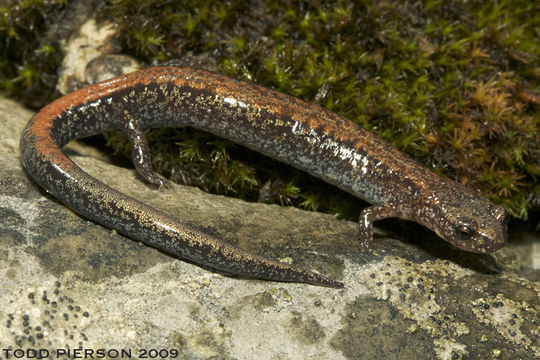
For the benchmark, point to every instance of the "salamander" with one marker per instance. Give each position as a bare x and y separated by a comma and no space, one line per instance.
282,127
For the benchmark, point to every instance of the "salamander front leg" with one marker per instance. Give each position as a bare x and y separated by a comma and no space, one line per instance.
365,222
140,151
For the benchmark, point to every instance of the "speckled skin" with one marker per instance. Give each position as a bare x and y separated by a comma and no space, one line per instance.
304,135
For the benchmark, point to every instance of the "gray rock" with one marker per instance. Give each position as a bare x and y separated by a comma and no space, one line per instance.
69,283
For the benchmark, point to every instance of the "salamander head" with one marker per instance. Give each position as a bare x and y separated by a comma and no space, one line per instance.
466,219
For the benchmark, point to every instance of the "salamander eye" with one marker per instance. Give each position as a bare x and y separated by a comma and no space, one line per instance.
465,229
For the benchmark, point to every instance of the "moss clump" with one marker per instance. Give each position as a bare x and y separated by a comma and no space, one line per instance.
28,61
453,84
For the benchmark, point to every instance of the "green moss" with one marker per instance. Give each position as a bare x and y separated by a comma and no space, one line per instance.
453,84
27,60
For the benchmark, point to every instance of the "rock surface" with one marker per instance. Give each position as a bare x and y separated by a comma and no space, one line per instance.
68,283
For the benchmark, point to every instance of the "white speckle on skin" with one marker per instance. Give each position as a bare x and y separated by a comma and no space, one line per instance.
295,126
230,101
366,221
365,163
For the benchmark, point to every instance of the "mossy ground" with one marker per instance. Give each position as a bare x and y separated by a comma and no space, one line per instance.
454,84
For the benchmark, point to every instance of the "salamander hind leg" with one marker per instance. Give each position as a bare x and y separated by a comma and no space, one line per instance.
140,151
365,224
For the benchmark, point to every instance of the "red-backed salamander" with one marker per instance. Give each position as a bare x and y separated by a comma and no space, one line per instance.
282,127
